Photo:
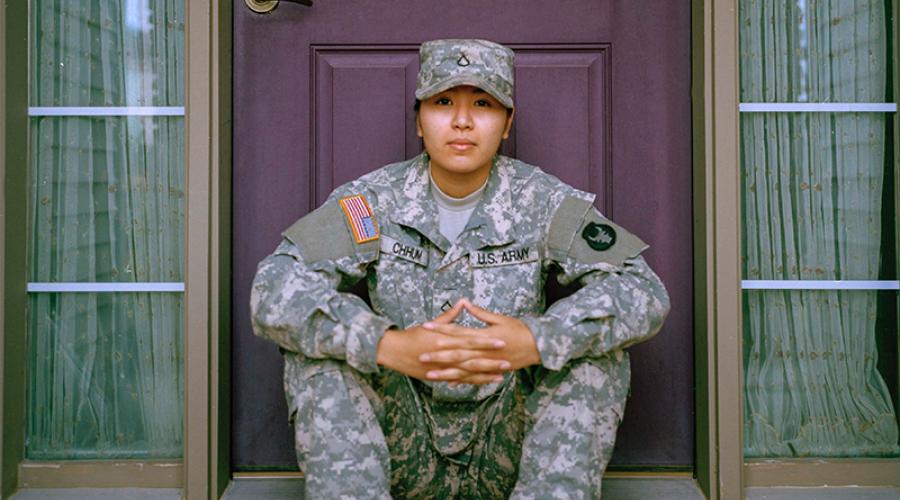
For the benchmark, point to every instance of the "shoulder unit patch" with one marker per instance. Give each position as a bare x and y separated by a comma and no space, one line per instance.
360,217
580,232
600,237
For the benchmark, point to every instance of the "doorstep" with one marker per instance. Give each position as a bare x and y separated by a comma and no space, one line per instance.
643,488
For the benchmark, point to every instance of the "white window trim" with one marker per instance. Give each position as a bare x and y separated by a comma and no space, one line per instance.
820,285
44,287
106,111
817,107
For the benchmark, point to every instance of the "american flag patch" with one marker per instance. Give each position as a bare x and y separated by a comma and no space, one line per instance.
360,217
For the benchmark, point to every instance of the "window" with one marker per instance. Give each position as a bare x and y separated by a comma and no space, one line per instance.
818,229
105,368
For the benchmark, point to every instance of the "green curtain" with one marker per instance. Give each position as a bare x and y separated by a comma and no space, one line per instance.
812,210
105,377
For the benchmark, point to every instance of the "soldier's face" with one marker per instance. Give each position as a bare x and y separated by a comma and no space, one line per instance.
462,129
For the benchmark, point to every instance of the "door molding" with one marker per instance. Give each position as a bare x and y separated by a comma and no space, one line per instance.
207,338
717,301
13,207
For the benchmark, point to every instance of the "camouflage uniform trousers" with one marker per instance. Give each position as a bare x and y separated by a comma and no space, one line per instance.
544,434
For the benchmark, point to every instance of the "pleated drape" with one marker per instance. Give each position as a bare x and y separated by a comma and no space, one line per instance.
105,369
812,186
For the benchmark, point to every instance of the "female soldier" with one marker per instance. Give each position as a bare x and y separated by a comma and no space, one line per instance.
457,381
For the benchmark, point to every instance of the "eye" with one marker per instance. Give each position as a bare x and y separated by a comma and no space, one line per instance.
483,103
442,101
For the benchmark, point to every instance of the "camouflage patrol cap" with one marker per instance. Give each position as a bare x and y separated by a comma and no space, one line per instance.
444,64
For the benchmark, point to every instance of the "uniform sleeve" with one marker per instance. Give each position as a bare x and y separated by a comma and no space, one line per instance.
620,302
297,298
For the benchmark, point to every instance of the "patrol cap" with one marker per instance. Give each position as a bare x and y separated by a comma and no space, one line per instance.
444,64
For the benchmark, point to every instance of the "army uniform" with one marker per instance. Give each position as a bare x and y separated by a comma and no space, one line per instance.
364,431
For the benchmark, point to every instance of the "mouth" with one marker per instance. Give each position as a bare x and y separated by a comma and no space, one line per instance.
461,144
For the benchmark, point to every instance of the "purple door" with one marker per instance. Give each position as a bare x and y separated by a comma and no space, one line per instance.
323,94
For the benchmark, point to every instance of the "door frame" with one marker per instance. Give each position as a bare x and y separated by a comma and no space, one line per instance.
207,347
717,292
719,458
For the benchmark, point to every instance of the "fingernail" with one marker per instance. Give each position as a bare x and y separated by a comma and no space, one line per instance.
499,343
425,358
498,379
431,375
504,365
429,325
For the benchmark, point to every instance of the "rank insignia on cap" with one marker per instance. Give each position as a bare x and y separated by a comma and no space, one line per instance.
463,60
600,237
360,217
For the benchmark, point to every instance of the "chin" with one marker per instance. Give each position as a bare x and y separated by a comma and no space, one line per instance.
463,170
466,165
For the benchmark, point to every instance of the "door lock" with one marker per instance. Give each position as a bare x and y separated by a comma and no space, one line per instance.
264,6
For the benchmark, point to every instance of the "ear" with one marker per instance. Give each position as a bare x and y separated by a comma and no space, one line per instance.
418,126
509,122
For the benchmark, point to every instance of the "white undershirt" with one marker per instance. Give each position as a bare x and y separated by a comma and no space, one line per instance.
454,213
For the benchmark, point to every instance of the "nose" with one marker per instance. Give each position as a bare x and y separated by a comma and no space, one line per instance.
462,119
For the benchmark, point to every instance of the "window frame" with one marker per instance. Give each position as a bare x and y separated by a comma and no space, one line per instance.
800,472
164,472
204,470
13,147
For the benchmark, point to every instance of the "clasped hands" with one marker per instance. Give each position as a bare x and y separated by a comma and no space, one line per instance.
441,349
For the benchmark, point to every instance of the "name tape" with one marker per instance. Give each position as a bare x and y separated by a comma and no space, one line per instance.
490,258
404,251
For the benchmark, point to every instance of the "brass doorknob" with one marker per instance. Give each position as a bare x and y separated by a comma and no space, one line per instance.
264,6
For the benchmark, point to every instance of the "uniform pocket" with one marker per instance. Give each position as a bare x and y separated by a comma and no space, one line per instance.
397,287
299,376
298,371
508,280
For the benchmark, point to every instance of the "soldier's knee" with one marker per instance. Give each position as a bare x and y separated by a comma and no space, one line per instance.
614,366
606,377
307,381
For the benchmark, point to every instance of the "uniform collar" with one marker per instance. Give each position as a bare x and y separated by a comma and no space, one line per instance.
491,224
415,206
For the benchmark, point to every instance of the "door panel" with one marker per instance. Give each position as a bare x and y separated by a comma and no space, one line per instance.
363,95
323,94
563,116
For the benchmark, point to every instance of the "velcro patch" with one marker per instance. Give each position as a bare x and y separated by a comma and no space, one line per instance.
578,231
604,241
361,219
412,253
503,257
598,236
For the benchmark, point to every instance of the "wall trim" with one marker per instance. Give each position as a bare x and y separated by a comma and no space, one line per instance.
717,339
101,474
207,337
895,61
4,486
822,472
14,173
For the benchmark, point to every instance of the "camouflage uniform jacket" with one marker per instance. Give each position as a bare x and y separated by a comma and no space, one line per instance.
527,224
